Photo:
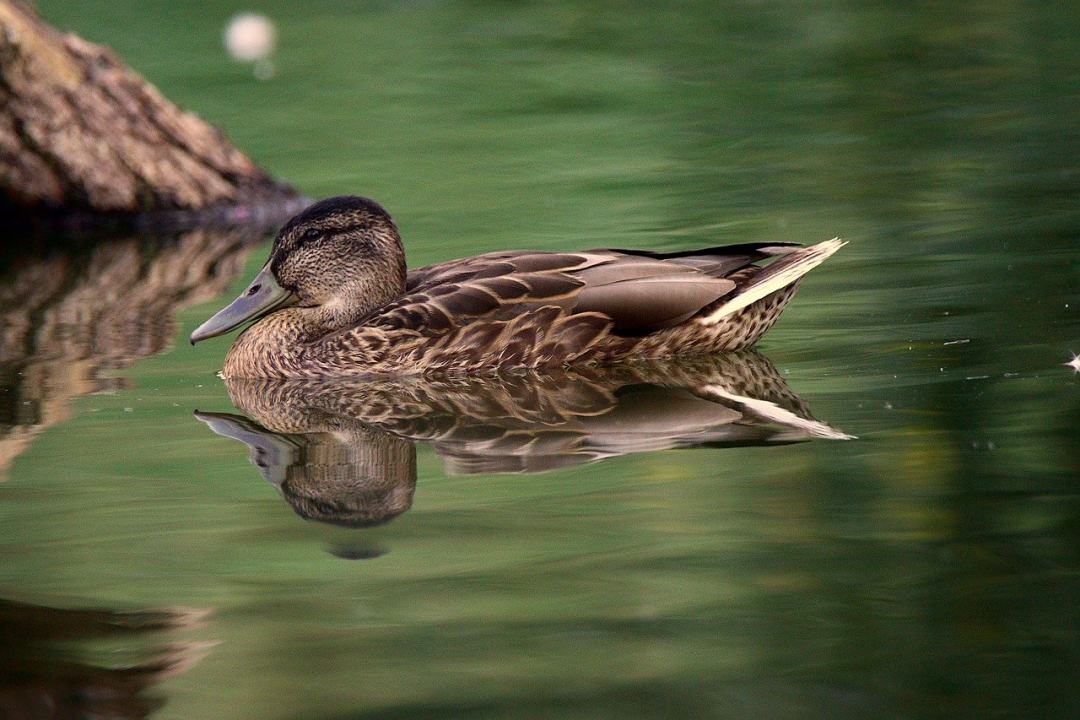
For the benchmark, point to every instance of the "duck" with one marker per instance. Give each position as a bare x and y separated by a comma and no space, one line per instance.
335,299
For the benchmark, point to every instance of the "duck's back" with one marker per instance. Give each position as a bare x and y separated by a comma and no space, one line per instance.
529,309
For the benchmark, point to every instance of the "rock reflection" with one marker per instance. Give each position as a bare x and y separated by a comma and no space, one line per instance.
47,670
342,451
69,312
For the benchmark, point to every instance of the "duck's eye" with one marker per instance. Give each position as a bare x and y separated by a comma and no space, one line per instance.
310,234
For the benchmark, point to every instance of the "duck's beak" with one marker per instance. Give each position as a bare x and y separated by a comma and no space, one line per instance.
270,452
261,297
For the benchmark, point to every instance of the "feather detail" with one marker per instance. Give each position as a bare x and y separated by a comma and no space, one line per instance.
774,277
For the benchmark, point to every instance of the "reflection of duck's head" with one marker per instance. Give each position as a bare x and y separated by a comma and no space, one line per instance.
348,475
357,478
341,258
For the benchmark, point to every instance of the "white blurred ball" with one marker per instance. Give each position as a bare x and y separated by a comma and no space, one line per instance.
250,37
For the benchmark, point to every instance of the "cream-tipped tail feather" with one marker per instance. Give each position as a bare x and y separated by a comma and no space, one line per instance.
776,276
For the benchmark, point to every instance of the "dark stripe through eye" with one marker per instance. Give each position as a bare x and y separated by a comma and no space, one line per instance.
312,234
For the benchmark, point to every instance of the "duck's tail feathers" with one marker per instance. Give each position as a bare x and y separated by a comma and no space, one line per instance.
776,276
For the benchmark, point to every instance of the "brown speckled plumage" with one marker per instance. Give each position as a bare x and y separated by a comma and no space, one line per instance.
357,312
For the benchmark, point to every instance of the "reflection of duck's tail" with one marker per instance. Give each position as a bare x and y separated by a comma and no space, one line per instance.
771,412
746,381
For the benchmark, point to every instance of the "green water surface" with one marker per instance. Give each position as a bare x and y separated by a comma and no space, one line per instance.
930,568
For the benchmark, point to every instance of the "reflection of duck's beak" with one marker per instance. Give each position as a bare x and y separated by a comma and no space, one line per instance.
262,296
270,452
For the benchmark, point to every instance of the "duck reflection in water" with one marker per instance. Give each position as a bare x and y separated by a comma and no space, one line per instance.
343,451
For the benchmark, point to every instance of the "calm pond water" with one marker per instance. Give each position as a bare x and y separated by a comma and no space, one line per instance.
577,546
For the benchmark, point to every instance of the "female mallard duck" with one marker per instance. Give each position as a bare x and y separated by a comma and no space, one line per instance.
335,299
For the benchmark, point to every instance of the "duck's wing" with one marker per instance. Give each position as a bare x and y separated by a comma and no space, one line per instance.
505,309
719,261
636,292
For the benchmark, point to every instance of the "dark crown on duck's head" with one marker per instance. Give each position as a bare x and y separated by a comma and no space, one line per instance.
335,214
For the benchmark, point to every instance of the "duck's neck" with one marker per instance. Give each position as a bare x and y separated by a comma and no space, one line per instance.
309,324
300,341
287,343
313,323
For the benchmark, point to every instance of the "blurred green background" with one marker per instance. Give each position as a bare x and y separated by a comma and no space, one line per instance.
929,569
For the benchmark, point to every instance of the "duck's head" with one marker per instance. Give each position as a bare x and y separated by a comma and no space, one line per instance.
343,255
